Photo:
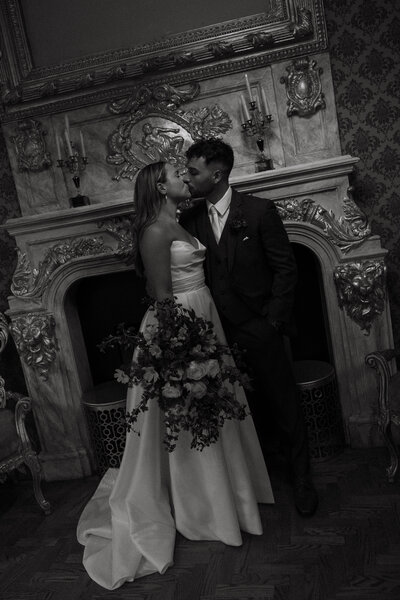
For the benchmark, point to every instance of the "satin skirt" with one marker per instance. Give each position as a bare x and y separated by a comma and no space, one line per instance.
128,527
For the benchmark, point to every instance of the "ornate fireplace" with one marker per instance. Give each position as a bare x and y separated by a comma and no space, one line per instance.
96,120
59,249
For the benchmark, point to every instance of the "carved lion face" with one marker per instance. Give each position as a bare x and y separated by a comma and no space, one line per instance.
361,291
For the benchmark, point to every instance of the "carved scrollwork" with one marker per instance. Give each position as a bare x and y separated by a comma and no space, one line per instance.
31,283
260,40
116,73
3,342
166,128
85,81
50,88
303,27
36,342
356,220
10,95
121,229
346,232
303,87
360,288
221,49
184,59
161,97
151,64
30,146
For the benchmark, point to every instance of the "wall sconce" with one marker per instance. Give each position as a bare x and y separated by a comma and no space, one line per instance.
254,123
75,162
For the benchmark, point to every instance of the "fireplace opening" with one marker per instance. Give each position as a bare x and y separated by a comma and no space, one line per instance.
97,305
312,338
102,303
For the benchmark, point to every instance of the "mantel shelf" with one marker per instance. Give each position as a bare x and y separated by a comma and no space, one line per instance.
253,182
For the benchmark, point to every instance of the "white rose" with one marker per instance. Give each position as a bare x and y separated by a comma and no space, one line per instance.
150,375
212,367
196,370
155,350
199,389
171,391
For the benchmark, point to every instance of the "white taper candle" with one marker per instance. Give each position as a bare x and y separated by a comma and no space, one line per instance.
245,109
82,144
58,147
68,143
248,87
265,103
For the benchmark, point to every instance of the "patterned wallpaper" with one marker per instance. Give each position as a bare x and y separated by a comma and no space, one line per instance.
364,44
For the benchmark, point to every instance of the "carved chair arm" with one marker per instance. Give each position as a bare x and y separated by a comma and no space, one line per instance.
3,332
382,362
22,408
3,342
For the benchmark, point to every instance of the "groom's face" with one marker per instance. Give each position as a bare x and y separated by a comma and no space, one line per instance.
201,177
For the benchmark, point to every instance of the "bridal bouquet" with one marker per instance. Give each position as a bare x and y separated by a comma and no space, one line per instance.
179,363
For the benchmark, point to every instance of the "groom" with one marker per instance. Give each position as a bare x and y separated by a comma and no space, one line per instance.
251,272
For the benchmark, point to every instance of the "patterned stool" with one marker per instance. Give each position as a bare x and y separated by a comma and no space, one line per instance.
106,420
317,385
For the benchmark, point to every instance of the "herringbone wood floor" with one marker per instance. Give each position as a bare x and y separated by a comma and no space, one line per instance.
350,550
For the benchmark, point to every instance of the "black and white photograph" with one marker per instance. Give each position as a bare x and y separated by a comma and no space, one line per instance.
199,300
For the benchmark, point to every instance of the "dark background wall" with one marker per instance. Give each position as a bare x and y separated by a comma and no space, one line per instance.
364,44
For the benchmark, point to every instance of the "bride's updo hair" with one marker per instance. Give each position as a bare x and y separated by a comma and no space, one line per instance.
147,203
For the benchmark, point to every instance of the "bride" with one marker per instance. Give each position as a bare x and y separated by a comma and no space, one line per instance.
128,527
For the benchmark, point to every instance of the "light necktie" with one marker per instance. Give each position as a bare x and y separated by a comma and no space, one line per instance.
215,224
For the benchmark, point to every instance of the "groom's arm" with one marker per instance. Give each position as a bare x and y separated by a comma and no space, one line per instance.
280,258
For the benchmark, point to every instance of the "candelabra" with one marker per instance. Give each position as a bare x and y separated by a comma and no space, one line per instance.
75,162
254,123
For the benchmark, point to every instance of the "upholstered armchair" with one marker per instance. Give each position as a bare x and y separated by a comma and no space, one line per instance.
16,448
388,402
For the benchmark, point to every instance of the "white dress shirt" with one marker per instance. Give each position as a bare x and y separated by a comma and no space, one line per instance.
222,207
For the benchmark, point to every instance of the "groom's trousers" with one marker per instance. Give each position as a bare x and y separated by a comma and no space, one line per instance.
274,401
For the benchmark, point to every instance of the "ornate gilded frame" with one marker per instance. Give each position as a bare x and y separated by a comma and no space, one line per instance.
287,28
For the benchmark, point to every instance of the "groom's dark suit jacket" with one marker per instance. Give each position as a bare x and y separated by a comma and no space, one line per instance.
252,271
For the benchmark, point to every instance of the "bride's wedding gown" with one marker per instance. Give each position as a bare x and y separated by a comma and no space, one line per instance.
128,526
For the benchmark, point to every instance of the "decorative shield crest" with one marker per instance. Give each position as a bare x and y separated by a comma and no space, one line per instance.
303,87
30,146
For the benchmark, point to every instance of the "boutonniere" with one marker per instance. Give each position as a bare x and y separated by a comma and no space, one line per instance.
238,222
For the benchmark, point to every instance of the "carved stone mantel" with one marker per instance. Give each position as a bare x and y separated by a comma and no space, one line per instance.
254,183
58,248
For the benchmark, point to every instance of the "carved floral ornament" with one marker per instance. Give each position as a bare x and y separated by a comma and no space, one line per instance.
31,283
303,87
156,128
345,232
36,342
360,289
121,229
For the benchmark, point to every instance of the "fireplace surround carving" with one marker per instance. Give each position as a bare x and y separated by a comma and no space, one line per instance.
58,249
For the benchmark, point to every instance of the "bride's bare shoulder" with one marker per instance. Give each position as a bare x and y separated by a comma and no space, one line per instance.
156,234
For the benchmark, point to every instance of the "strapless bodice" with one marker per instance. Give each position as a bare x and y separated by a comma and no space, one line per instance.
187,266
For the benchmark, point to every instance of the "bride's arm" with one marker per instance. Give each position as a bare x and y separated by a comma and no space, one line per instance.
155,249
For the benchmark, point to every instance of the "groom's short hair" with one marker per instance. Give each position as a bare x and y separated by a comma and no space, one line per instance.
212,150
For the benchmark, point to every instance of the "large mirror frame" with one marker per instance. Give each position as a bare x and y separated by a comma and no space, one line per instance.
287,28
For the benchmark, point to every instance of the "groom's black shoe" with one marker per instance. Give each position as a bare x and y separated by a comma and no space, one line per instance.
305,496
